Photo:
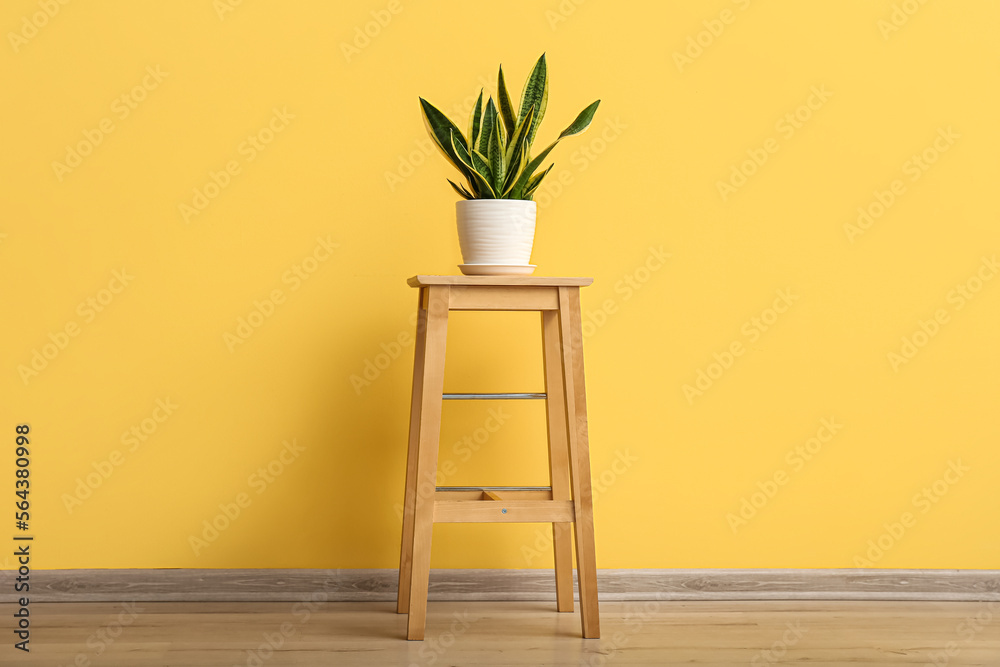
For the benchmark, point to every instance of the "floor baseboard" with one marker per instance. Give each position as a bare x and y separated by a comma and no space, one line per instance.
191,585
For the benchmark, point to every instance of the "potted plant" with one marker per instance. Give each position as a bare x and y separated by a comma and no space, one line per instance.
496,216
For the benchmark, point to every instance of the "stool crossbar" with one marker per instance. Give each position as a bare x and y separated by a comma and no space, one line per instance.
568,500
469,397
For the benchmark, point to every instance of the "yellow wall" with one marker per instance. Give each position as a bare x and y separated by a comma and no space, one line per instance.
340,165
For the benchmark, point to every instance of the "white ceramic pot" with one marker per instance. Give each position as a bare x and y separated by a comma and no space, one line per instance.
496,233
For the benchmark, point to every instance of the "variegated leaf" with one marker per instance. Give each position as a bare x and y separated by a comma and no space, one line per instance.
514,169
506,108
498,165
489,120
535,94
529,170
482,165
520,136
441,128
480,184
460,190
534,182
474,122
582,122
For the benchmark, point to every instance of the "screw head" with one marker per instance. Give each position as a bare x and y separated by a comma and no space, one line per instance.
503,511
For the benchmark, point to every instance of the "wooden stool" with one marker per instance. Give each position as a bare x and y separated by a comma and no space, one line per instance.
558,299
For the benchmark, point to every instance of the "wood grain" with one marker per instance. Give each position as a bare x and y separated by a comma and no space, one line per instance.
504,511
509,297
423,281
574,390
661,633
555,420
410,488
166,585
428,436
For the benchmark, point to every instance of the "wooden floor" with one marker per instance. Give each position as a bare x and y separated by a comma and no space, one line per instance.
510,633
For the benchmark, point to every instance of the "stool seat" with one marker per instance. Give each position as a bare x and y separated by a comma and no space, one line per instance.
500,281
567,503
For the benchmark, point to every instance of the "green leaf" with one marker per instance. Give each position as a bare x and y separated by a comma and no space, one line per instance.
506,108
520,136
482,165
582,121
495,158
534,182
460,190
489,121
514,170
535,95
474,122
498,166
517,153
480,184
441,130
522,181
466,162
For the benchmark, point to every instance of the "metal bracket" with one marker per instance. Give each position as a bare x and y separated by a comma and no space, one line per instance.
493,488
469,397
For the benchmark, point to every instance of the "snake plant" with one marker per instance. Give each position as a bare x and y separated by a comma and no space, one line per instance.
495,156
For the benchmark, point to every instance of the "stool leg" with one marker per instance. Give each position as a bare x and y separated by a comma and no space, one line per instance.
410,497
559,477
429,431
571,339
